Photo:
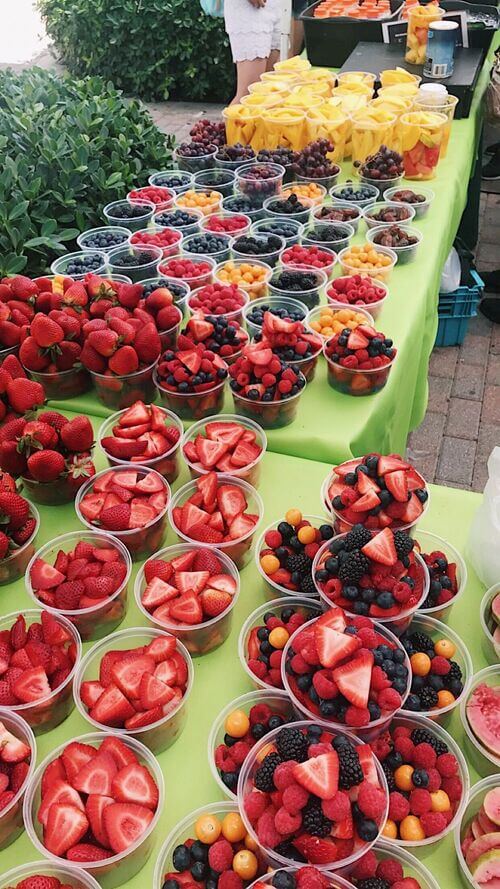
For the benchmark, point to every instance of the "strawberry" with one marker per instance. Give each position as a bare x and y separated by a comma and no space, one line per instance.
90,692
33,685
53,632
46,466
205,534
136,415
66,825
54,419
12,430
187,609
158,568
24,395
122,754
68,595
353,678
214,602
7,696
7,483
154,693
39,654
45,331
44,576
206,560
127,674
19,774
124,361
16,508
23,534
112,708
12,749
91,359
83,852
105,342
381,548
10,458
319,775
332,646
33,356
134,784
123,448
73,758
4,545
37,435
100,587
97,775
147,344
125,823
18,634
39,882
116,518
78,435
75,295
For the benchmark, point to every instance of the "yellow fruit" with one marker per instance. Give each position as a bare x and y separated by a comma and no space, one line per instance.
208,829
403,777
245,864
440,801
233,828
269,563
251,844
279,637
445,698
237,724
307,534
444,648
390,830
411,829
267,748
420,663
293,517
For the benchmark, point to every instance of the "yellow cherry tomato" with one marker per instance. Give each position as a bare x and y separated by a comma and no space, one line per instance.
411,828
233,828
403,777
440,801
444,648
237,724
390,830
245,864
269,563
208,829
293,517
307,534
279,637
420,663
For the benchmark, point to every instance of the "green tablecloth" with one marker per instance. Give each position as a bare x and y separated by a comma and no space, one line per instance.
219,677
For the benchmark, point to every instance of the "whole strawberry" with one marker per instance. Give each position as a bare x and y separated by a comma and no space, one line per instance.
23,395
46,466
77,435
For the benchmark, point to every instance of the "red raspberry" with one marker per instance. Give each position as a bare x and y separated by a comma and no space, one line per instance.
295,622
277,799
275,660
273,539
435,780
368,637
272,623
223,759
389,870
420,801
239,752
274,678
371,800
440,666
258,668
310,878
366,867
229,880
448,815
318,750
357,716
401,732
324,685
401,592
255,805
260,713
266,830
453,787
389,699
379,679
285,823
447,765
424,756
382,745
338,808
295,798
220,855
299,665
399,806
433,823
407,883
283,775
406,748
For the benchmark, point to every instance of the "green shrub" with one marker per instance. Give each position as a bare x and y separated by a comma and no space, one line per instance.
155,49
66,149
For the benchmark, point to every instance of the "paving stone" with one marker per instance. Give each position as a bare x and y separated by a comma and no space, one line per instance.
480,475
468,381
488,253
444,483
426,440
488,437
495,340
443,362
439,394
475,349
479,326
425,465
491,404
490,233
493,369
463,418
456,461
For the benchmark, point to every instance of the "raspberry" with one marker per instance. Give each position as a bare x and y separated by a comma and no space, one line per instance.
338,808
273,539
220,855
324,685
389,870
379,679
406,748
433,823
310,878
435,780
295,622
310,655
277,799
283,775
447,765
274,678
399,807
229,880
371,800
299,665
389,699
255,804
275,659
258,668
406,883
285,823
295,798
368,637
401,592
239,753
440,666
318,749
357,716
401,732
272,623
223,759
266,830
366,867
453,787
260,713
382,745
424,756
420,801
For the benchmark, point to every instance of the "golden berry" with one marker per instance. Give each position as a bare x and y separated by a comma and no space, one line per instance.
250,843
445,648
237,724
403,777
279,637
411,829
390,830
440,801
307,534
269,563
245,864
420,663
445,698
293,517
208,829
233,828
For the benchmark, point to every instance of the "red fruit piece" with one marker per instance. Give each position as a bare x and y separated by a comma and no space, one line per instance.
125,823
134,784
353,679
319,775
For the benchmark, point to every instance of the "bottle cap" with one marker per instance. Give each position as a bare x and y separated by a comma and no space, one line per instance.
432,94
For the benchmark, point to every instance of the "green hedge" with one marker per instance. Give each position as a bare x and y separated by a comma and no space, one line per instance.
154,49
66,149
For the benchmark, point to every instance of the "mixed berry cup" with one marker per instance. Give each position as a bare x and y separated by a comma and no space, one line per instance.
102,618
491,634
426,543
374,308
67,875
98,267
237,550
277,225
195,280
140,542
114,871
194,164
117,392
352,381
406,212
271,302
63,383
258,189
313,235
421,207
251,472
46,713
269,414
271,588
166,464
113,214
412,866
471,863
404,254
11,816
177,180
13,567
310,298
332,881
270,259
114,234
191,405
485,759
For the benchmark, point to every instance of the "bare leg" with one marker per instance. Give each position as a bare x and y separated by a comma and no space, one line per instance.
297,37
247,72
273,58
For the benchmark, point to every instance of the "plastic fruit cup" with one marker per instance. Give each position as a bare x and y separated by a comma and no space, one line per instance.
268,226
217,256
381,184
368,135
68,875
428,543
63,383
326,269
207,222
448,109
166,179
297,188
192,281
419,20
179,289
250,473
120,233
273,302
485,761
308,607
254,212
269,414
215,179
102,618
159,735
166,464
404,254
245,786
12,350
307,366
383,273
269,259
333,881
117,392
474,802
136,270
140,542
190,229
59,266
191,405
356,77
277,700
299,216
352,381
318,228
14,565
423,140
336,205
315,314
167,194
54,493
188,201
375,727
118,869
46,713
363,202
134,223
369,212
11,817
233,165
491,636
421,208
326,181
198,638
309,298
140,239
194,164
255,289
411,865
237,550
259,189
436,630
271,588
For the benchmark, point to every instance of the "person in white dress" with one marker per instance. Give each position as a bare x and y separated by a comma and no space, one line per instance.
254,30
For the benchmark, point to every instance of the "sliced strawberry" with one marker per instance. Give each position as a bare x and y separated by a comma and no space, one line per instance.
125,479
349,466
53,772
94,810
121,754
317,850
357,340
90,692
74,757
153,692
91,506
44,576
161,648
216,521
241,526
332,646
367,763
391,463
125,823
150,484
353,678
112,708
184,562
166,672
245,454
207,487
181,667
231,502
366,483
66,825
191,517
156,593
141,514
214,602
319,775
32,685
209,452
97,775
344,830
146,717
413,510
59,792
134,784
223,582
192,360
334,618
12,749
135,415
127,674
194,581
368,501
187,609
381,548
397,485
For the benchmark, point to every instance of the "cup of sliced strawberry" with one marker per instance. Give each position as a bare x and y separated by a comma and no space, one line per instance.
144,434
84,576
129,502
189,591
17,763
61,876
42,653
225,443
219,511
95,802
136,682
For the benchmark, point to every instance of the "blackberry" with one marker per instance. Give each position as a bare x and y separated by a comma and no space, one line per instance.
353,567
313,820
291,744
423,736
421,642
357,538
454,673
286,849
428,698
403,543
263,778
350,771
299,562
373,883
389,774
307,586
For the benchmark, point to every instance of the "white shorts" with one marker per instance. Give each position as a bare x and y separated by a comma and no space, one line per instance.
252,32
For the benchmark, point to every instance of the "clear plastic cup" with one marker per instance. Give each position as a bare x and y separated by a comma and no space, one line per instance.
99,267
383,273
63,383
314,314
313,236
381,184
233,165
61,490
308,607
238,550
448,109
365,77
404,254
269,303
270,259
102,618
130,254
336,195
302,190
194,164
252,209
242,123
12,567
284,127
157,736
215,179
463,830
72,876
118,233
272,589
291,263
199,280
191,405
309,298
368,733
12,350
178,288
141,239
406,212
326,182
11,816
134,223
254,289
46,713
436,630
412,866
334,129
269,414
484,760
368,135
176,180
167,195
199,638
166,464
421,208
419,19
330,213
491,635
121,867
270,226
208,221
352,380
422,143
117,392
218,255
245,785
188,201
279,703
332,881
140,542
250,473
259,189
300,216
427,543
190,229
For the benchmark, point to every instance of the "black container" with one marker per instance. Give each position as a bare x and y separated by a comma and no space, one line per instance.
480,36
329,42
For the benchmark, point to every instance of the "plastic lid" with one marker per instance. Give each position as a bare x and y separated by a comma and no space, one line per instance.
444,25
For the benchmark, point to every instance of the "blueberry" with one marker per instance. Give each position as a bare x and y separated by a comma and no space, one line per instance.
181,858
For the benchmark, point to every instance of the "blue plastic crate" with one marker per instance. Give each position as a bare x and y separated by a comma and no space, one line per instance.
455,310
